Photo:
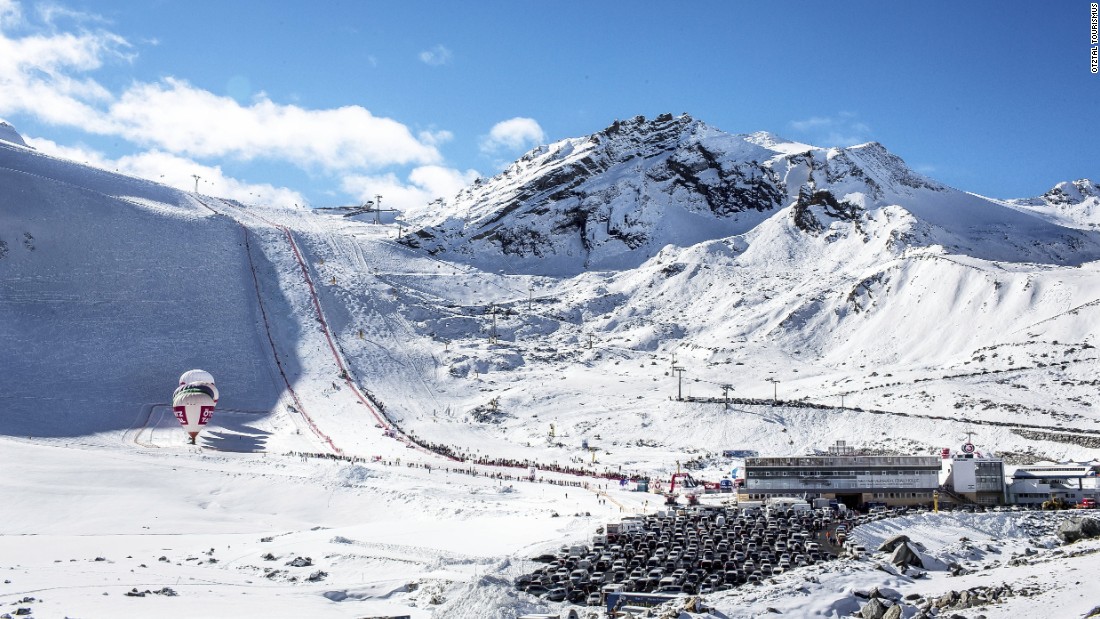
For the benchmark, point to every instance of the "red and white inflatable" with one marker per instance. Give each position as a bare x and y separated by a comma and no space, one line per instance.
194,401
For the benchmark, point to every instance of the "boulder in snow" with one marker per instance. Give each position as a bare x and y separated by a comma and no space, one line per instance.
892,543
1078,528
873,609
904,555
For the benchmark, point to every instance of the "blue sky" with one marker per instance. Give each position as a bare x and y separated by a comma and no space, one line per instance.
330,102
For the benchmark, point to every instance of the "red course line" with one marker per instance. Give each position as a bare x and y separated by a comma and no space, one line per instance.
270,338
328,334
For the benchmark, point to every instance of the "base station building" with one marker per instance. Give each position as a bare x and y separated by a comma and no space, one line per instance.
849,479
856,480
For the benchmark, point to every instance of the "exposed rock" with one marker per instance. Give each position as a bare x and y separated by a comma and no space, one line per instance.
892,543
947,599
894,612
874,609
1071,530
300,562
904,555
608,199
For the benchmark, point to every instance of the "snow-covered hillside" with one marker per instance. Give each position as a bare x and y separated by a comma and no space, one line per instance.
110,285
1075,204
540,312
613,199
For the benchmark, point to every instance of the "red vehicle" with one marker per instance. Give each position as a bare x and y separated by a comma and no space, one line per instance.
1087,504
688,487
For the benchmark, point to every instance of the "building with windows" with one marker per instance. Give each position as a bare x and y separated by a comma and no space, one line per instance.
970,476
973,478
854,480
1034,483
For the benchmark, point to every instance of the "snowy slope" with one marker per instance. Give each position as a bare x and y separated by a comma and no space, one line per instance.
110,287
840,274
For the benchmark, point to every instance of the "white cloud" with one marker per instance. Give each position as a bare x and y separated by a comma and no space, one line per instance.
424,184
180,118
435,138
51,12
844,129
46,74
79,154
513,135
175,171
436,56
42,74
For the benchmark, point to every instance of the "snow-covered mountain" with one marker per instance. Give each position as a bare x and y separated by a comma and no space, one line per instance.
1072,204
614,199
539,316
650,238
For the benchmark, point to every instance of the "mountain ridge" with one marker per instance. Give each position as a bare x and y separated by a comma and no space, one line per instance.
612,199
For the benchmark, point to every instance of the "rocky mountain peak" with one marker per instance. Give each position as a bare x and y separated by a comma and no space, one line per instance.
9,134
1076,192
612,200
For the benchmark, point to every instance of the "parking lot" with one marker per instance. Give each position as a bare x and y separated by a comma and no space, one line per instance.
693,550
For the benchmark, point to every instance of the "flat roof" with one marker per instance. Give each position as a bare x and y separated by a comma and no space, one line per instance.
845,461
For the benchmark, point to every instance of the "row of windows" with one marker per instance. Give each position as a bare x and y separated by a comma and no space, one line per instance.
821,473
878,495
1040,495
1076,469
845,461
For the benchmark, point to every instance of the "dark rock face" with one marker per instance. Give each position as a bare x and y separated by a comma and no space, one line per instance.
1078,528
644,154
807,221
725,188
611,188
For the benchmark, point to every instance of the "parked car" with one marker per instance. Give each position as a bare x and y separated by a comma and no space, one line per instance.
536,589
557,594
